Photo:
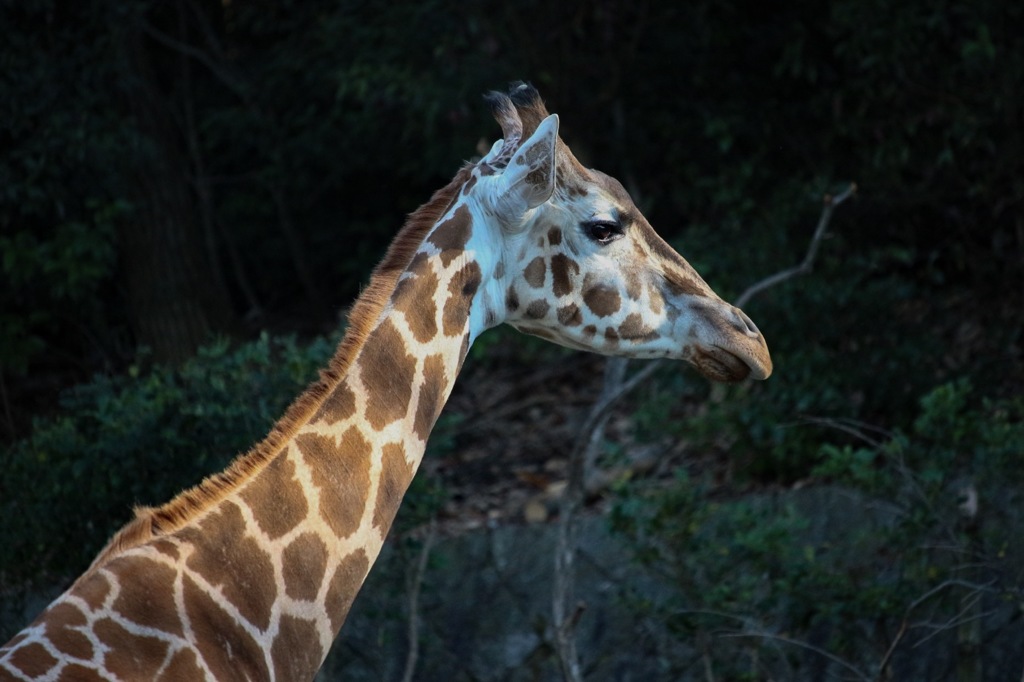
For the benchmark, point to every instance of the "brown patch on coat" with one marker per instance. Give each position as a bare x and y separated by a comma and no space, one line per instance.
569,315
589,331
395,476
342,473
602,300
634,329
93,591
146,596
537,309
681,283
296,652
634,284
75,672
563,269
226,557
345,584
554,236
166,547
414,298
534,273
33,660
181,510
511,299
130,656
461,290
431,398
183,666
339,405
452,235
419,264
680,277
469,185
611,337
224,645
62,629
387,371
304,564
276,498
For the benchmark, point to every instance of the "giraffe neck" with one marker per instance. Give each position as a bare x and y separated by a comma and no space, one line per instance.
320,511
260,581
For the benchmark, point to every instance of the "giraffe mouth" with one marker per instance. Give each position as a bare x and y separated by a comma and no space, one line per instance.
718,364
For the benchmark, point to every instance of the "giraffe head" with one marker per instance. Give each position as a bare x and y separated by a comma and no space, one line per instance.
582,267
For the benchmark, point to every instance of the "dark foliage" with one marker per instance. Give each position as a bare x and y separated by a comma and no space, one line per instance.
267,152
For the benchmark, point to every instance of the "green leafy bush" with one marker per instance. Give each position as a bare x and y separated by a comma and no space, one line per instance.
138,439
895,534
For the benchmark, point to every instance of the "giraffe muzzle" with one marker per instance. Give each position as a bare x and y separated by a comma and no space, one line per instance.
729,347
717,364
744,324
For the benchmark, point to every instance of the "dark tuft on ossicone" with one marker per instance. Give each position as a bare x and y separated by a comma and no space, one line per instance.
523,94
501,106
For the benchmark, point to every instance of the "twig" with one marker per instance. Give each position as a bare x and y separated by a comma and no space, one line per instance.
952,582
884,663
222,73
804,645
415,582
566,611
905,625
705,657
852,427
830,202
612,393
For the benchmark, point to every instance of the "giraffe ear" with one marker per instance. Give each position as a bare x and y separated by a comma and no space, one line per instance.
529,177
494,152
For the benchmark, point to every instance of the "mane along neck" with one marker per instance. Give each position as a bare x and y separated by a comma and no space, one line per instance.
364,315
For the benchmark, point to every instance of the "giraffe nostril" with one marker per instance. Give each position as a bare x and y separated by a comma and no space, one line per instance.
745,324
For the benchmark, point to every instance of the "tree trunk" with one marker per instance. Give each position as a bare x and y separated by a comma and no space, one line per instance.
175,301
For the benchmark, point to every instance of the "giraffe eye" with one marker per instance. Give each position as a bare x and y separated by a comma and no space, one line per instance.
602,231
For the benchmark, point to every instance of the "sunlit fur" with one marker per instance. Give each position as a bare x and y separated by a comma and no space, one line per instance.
150,522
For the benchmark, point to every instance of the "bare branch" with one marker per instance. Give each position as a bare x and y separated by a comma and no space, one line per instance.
415,583
804,645
830,203
883,665
222,74
905,625
610,397
945,585
853,427
953,623
705,657
565,610
208,32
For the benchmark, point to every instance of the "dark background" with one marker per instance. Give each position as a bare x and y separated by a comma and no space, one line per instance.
187,174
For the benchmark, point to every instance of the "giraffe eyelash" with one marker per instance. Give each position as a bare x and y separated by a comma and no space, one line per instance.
603,231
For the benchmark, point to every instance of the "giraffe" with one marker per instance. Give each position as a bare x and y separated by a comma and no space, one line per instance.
250,574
